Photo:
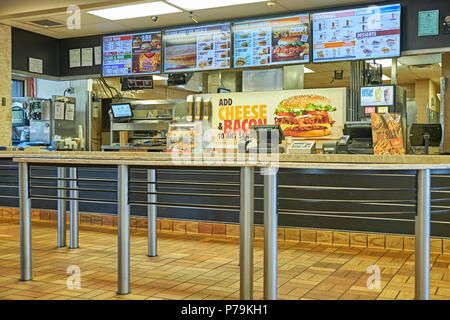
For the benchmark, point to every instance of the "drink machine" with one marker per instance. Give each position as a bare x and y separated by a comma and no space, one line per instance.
383,99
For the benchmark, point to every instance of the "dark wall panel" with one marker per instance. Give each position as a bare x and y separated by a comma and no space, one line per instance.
410,38
28,44
77,43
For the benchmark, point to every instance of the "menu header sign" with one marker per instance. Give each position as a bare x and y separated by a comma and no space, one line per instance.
132,54
367,33
275,41
197,48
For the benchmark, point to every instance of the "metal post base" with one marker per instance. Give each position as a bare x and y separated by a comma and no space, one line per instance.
73,208
152,214
25,223
61,207
123,231
270,234
422,229
246,233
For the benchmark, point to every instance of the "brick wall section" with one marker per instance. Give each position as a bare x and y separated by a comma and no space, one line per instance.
328,237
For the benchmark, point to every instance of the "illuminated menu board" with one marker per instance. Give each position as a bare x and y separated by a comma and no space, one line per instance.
132,54
281,40
367,33
197,48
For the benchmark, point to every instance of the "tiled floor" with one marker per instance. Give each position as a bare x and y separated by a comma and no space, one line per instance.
201,267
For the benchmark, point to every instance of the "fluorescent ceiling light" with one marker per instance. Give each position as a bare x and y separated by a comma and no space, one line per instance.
161,77
192,5
307,70
385,77
135,11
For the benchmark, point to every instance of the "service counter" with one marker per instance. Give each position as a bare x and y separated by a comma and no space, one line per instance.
405,182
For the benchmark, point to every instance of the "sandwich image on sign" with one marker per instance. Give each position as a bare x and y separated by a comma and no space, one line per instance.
305,116
290,46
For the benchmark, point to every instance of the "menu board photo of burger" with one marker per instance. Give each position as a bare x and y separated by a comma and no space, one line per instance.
305,116
146,52
290,46
281,40
131,54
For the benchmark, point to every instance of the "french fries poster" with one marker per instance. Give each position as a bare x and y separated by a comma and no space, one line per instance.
387,134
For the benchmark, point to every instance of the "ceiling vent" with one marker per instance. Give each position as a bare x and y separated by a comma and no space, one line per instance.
46,23
421,67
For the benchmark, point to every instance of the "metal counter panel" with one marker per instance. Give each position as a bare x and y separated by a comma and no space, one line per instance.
307,198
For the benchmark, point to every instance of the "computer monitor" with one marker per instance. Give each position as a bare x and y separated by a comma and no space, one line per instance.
418,132
121,110
358,129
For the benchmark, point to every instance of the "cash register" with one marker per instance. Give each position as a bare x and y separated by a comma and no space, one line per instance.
357,138
264,139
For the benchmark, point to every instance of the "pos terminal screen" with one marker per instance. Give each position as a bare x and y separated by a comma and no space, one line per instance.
122,110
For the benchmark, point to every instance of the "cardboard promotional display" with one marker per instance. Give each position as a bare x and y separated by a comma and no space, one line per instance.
387,133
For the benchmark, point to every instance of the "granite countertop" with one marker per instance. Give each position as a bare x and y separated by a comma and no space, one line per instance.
319,161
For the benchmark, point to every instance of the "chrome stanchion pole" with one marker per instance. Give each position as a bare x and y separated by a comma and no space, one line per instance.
152,213
73,209
25,223
123,231
61,207
246,233
422,229
270,234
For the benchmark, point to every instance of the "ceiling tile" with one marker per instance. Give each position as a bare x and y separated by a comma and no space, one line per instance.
305,4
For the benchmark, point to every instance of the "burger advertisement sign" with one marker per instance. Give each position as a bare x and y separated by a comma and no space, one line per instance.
309,114
306,116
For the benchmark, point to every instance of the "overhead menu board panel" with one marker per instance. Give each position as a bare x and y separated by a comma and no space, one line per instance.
274,41
197,48
365,33
132,54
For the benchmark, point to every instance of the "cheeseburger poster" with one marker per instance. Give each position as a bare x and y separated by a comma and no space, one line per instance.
310,114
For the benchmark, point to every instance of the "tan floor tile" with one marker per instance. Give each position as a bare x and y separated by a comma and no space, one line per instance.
192,266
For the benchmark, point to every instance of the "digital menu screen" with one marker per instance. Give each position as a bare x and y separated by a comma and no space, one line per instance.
132,54
197,48
281,40
377,96
367,33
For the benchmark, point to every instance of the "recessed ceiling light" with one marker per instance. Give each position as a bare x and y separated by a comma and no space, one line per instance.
161,77
207,4
135,11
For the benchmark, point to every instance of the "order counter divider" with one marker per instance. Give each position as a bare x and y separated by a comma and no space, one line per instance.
123,210
420,169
